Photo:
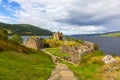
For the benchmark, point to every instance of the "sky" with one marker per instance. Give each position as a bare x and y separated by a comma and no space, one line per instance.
67,16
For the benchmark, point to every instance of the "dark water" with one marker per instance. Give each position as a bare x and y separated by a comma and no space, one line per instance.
107,44
26,37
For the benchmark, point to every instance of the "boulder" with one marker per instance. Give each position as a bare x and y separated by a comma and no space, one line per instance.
108,59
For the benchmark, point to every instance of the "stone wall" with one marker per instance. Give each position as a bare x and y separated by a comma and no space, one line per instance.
58,36
76,52
34,43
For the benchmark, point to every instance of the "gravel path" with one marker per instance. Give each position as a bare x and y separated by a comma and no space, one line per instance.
62,72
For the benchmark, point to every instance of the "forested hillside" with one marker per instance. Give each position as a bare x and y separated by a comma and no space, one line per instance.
24,29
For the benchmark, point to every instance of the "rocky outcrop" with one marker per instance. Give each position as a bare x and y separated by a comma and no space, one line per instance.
108,59
77,51
34,42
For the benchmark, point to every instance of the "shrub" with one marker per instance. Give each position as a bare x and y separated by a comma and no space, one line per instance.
17,39
79,41
46,45
52,43
96,47
67,38
3,34
71,43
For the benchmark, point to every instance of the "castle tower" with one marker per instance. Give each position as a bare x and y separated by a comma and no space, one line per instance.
58,36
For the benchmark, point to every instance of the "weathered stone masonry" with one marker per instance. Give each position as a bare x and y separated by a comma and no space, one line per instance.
58,36
34,43
76,52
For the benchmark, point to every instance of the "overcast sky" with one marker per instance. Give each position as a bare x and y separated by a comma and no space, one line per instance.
67,16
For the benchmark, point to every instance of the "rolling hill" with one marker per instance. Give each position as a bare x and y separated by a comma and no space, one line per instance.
112,34
24,29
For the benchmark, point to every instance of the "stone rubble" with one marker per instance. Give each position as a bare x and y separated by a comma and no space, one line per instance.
108,59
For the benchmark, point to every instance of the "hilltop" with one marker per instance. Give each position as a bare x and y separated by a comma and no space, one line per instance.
24,29
112,34
107,34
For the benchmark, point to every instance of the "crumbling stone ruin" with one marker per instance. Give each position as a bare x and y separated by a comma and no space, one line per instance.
58,36
34,42
77,51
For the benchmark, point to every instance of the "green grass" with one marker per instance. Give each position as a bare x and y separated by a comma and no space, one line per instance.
18,62
7,45
18,66
87,72
89,68
112,35
57,52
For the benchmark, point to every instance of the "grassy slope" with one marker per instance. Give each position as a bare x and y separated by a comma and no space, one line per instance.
6,45
89,68
56,52
17,66
117,34
20,63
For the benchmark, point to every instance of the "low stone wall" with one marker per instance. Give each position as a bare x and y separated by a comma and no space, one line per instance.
76,52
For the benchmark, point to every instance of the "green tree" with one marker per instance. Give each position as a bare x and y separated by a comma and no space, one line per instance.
79,40
96,47
3,34
67,38
17,39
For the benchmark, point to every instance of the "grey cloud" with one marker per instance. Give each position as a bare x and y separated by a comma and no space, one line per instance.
87,19
93,12
71,16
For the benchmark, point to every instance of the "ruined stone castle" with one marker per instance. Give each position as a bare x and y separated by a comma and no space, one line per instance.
77,51
58,35
34,42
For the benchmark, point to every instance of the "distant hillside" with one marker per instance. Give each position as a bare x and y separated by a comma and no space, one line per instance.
112,34
24,29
